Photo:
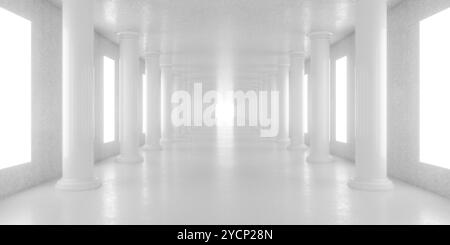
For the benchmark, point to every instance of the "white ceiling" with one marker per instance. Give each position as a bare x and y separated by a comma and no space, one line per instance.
213,37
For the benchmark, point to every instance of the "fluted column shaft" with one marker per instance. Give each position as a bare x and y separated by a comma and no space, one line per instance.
270,85
166,93
129,78
371,110
175,86
78,96
283,88
184,134
320,98
153,137
296,101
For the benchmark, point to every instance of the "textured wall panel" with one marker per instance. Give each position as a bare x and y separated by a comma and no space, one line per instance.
46,97
403,96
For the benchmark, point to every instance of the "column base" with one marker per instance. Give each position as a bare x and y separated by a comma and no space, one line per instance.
320,159
299,147
78,184
165,143
371,185
269,139
130,159
284,143
179,139
184,139
152,147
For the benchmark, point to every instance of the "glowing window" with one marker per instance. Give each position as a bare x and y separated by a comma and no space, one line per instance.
305,103
15,89
109,100
341,100
435,89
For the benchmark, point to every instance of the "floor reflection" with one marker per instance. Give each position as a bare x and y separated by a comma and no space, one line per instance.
241,182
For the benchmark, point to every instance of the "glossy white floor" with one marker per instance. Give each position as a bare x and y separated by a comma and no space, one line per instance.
241,185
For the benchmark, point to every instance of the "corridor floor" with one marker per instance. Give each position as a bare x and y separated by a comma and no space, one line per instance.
258,184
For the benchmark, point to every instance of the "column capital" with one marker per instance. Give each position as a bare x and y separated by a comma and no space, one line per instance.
284,61
166,66
128,35
320,35
271,75
152,57
166,61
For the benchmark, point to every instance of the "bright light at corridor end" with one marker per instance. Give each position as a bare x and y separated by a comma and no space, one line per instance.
227,109
225,112
435,89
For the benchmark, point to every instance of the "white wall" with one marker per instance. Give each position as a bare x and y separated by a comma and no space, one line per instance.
403,97
46,97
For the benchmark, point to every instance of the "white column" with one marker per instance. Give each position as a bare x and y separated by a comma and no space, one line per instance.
78,97
266,86
320,98
283,88
166,84
129,78
184,129
272,85
296,101
153,138
176,85
371,110
190,89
